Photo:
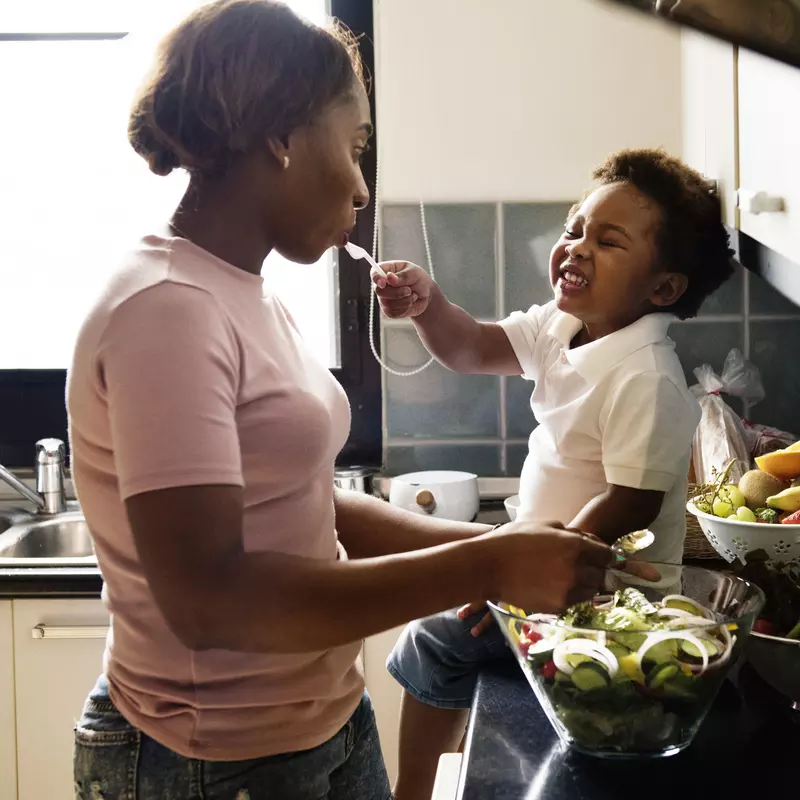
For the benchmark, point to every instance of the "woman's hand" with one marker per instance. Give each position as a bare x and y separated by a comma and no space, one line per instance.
603,556
545,568
404,291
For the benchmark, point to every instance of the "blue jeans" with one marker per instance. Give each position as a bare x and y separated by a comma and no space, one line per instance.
437,659
115,761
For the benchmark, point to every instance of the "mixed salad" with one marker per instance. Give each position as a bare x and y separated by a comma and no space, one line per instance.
780,583
625,674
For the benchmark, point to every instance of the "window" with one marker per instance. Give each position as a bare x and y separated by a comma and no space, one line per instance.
74,197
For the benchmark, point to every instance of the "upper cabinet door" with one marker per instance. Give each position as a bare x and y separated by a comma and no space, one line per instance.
769,155
709,114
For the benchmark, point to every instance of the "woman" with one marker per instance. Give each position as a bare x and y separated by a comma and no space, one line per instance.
204,436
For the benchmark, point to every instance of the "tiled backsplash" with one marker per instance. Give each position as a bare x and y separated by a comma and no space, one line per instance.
492,259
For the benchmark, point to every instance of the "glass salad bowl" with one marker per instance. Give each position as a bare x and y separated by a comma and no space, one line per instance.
633,673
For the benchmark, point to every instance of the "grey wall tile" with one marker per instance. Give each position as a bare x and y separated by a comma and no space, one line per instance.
436,404
773,349
483,460
531,230
515,458
520,419
766,300
699,343
729,298
462,239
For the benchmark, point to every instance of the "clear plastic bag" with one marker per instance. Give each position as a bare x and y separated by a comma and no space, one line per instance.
721,436
762,439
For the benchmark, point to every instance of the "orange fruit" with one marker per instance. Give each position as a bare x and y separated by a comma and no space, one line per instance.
782,464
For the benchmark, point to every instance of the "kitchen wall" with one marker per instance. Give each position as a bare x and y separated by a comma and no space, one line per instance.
491,258
496,125
515,100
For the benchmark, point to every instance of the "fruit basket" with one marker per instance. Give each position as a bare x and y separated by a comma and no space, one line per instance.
733,539
632,675
762,512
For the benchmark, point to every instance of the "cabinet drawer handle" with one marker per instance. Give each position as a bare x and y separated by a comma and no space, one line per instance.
69,632
760,202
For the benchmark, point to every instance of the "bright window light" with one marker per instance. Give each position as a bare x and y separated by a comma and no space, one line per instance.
74,196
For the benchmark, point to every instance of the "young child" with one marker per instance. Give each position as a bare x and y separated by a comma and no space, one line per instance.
611,451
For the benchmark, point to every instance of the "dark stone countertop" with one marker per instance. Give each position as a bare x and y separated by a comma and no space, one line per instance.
50,582
748,744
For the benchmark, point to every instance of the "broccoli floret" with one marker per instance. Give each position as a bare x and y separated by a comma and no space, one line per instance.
581,615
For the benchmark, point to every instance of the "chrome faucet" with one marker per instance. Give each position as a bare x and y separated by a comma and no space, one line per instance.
50,495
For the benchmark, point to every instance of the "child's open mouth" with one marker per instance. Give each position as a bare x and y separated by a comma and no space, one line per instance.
572,280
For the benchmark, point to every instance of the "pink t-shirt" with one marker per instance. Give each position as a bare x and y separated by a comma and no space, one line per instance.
188,372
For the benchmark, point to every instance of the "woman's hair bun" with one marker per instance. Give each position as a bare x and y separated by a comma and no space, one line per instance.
233,74
162,162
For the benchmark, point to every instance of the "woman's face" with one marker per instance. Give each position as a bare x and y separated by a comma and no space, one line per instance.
313,207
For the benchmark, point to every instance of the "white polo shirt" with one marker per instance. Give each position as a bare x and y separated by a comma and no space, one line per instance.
615,411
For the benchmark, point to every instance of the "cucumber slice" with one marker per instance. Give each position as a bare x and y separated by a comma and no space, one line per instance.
589,676
661,673
663,652
693,653
685,605
562,677
576,659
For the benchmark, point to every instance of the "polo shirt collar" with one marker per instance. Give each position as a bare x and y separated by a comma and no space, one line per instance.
593,361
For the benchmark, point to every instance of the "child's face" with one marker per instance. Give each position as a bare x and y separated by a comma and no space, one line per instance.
603,268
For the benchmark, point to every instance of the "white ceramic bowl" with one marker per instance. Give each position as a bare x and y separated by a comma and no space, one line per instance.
734,539
512,506
446,494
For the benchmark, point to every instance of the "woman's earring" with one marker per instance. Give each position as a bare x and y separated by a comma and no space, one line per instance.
286,162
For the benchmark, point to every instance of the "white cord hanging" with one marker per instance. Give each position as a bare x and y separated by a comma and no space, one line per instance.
384,365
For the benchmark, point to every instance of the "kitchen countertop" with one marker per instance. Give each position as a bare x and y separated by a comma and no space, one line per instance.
748,743
50,582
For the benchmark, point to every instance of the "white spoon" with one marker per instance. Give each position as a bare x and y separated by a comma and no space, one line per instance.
359,253
632,543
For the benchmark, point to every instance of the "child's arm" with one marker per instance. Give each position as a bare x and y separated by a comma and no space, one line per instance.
617,511
449,333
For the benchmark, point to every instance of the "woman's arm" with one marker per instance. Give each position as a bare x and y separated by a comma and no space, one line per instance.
213,594
370,527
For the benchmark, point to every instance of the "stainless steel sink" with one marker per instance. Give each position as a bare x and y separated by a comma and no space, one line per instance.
60,540
13,515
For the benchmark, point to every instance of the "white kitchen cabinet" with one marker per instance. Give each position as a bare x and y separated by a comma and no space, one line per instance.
709,114
385,693
8,744
769,157
58,655
447,775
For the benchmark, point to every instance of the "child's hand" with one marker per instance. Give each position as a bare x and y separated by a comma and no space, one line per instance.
473,608
404,291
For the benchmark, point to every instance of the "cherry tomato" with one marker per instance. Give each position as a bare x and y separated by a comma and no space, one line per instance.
549,670
530,635
764,626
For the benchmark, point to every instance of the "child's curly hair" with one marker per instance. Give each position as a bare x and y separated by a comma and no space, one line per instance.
692,239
